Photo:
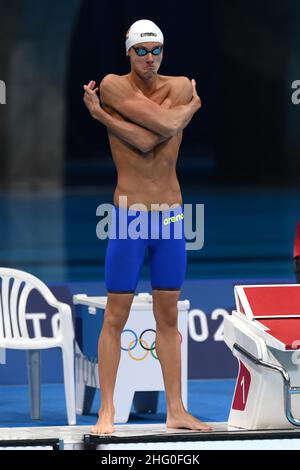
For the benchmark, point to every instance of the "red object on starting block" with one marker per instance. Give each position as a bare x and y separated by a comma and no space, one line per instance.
297,241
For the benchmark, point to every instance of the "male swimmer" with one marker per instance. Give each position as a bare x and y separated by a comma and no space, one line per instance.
145,114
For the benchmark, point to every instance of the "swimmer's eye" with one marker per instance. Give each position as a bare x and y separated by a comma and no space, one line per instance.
156,50
141,51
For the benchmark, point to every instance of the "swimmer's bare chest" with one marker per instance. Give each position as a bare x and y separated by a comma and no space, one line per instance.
147,178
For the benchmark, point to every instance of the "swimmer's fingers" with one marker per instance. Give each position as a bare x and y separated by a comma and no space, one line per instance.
91,99
193,82
91,84
196,97
90,87
89,90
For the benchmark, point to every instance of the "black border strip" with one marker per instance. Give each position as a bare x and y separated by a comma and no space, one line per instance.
30,443
92,440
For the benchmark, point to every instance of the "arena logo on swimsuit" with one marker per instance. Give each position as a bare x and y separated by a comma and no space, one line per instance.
173,219
2,92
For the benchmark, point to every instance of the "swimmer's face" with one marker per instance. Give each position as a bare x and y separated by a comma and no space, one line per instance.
146,66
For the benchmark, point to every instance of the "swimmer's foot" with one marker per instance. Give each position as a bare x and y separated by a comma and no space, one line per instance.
105,422
185,420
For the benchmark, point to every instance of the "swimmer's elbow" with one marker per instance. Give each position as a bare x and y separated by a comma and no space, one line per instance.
145,147
170,129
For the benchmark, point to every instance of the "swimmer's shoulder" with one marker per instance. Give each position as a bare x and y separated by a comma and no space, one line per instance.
177,84
113,85
111,78
175,80
180,89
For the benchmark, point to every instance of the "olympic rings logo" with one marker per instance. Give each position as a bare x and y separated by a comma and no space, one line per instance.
147,346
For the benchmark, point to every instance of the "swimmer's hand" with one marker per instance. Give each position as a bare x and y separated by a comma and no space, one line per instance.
91,99
195,97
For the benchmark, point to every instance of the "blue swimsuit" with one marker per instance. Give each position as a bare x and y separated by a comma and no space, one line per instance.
131,234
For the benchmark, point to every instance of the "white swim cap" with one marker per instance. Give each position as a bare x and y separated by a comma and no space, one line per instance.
143,31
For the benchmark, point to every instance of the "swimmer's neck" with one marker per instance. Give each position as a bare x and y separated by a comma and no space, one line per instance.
146,86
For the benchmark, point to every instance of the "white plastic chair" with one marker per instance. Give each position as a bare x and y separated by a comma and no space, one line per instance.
15,288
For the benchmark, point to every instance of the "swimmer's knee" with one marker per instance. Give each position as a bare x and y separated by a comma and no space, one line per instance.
115,319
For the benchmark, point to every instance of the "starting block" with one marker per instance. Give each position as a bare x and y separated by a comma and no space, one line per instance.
263,333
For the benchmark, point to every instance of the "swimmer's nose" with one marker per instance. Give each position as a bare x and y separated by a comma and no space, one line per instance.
149,58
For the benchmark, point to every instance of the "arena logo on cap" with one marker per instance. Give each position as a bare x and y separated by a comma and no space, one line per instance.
147,34
2,92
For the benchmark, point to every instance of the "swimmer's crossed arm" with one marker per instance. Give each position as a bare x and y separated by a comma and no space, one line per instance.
137,108
134,134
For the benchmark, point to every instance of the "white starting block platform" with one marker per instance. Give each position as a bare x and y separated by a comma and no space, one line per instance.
264,334
147,437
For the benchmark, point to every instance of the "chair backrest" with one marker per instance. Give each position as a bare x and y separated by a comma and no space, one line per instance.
15,287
